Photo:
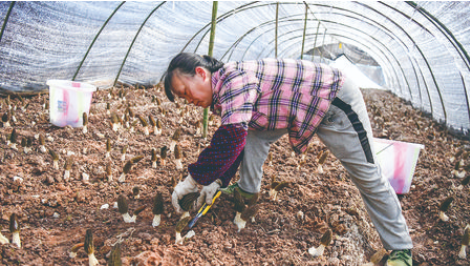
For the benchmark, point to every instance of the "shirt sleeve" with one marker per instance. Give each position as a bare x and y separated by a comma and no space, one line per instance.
222,157
238,92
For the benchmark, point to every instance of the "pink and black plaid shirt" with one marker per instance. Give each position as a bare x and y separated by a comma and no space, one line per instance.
265,94
273,94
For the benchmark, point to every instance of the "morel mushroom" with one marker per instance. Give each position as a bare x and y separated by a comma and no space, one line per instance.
108,148
90,248
199,128
123,153
42,143
128,166
55,159
466,180
457,171
115,122
157,209
29,143
444,207
246,215
85,123
159,128
186,202
144,125
174,139
6,117
109,172
154,158
163,154
321,161
68,167
131,127
3,239
464,243
153,123
13,118
12,139
456,155
179,228
178,157
276,187
239,206
15,230
124,210
74,250
23,143
136,192
325,241
115,257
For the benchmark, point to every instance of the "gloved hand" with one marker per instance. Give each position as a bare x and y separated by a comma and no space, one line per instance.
208,192
184,187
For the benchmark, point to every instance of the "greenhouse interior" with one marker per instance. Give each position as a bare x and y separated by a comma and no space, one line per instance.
94,150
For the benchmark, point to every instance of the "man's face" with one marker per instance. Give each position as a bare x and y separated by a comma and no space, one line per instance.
196,89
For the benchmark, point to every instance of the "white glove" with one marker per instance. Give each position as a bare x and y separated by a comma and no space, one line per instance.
183,188
207,193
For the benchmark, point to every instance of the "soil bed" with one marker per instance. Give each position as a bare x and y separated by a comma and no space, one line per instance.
54,214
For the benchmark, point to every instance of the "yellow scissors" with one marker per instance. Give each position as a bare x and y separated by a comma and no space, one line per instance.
203,210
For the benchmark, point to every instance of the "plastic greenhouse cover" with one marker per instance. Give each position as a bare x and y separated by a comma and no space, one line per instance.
417,50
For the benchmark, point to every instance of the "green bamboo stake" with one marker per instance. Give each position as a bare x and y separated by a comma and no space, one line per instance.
277,24
211,48
305,29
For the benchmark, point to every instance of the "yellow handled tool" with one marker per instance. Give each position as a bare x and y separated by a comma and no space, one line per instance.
203,210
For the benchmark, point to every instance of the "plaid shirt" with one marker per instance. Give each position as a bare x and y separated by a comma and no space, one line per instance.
273,94
263,95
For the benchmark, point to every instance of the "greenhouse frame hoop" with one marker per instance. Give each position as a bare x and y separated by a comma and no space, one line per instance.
361,15
6,19
95,38
133,41
346,37
347,26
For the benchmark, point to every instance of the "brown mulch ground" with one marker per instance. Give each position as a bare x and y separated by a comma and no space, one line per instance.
55,214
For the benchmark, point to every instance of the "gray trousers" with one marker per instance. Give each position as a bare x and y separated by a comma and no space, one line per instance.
347,133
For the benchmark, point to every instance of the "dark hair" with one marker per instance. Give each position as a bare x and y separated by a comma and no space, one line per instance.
186,63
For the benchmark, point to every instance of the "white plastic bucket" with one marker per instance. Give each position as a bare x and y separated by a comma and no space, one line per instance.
398,162
68,100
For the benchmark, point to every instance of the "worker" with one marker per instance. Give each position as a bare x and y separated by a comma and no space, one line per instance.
258,102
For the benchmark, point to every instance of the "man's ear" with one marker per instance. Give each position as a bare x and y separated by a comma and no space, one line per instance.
201,72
